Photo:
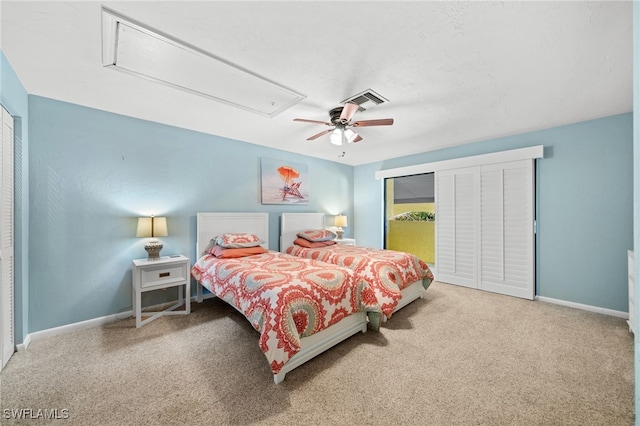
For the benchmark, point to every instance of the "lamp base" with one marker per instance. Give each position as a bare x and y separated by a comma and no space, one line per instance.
153,247
340,233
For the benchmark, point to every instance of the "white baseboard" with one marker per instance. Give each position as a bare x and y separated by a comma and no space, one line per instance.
68,328
83,325
24,345
596,309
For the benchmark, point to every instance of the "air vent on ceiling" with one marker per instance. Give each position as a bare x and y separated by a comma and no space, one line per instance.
366,99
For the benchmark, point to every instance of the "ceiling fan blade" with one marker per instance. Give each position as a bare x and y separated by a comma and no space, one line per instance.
316,136
357,139
378,122
347,111
304,120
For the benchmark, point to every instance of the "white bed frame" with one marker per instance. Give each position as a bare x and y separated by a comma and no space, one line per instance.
210,225
292,223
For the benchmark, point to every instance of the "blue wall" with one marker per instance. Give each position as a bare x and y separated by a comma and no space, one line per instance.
93,173
14,98
584,203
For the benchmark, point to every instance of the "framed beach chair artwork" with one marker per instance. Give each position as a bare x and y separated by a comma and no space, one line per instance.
284,182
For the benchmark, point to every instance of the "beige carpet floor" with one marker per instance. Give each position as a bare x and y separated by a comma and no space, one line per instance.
456,357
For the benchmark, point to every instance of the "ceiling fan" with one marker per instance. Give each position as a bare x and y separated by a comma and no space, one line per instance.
341,131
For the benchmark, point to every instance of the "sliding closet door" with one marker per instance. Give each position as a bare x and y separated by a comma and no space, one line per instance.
457,197
6,238
484,227
506,229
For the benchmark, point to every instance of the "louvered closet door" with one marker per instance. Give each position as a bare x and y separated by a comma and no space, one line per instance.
457,194
506,228
6,237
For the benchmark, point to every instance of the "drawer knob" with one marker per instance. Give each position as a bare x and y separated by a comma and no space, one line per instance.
164,274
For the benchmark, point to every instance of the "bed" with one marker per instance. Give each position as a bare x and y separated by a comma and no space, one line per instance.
299,308
398,278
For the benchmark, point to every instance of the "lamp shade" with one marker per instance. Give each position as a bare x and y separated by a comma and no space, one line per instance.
341,136
350,135
340,220
152,227
335,137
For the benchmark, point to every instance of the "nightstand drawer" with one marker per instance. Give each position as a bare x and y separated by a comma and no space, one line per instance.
162,275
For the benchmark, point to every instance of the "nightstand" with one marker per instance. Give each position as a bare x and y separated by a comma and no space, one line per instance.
166,272
346,241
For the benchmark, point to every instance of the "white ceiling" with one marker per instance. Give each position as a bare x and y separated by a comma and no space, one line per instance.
454,72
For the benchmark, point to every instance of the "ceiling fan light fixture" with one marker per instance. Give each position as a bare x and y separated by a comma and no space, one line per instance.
349,135
336,137
342,132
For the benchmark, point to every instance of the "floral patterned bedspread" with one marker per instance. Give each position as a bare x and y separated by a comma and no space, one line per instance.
386,271
284,297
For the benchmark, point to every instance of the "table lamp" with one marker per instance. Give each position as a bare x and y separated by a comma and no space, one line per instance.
340,221
152,227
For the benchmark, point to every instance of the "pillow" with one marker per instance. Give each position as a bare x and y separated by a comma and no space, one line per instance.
227,253
238,240
316,235
306,243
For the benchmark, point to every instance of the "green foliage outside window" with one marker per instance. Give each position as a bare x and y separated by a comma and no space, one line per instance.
416,216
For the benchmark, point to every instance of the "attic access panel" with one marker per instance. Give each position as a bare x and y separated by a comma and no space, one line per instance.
130,47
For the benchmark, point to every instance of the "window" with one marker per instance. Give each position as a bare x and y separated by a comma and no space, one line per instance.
410,215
